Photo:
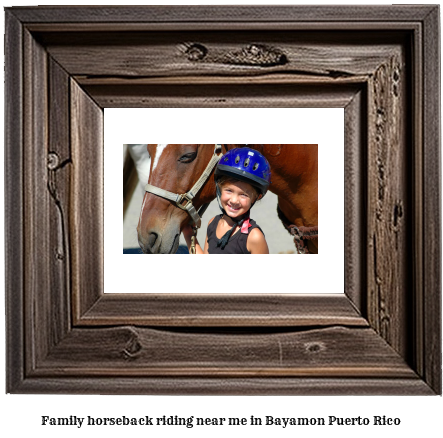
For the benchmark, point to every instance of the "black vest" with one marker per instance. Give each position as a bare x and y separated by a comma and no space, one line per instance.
237,242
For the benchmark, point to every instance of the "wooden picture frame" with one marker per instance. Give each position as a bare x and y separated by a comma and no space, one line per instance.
65,64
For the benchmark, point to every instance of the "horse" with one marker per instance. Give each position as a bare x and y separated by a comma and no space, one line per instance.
177,168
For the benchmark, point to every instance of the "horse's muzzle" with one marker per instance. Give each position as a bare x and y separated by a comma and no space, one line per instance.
153,243
150,243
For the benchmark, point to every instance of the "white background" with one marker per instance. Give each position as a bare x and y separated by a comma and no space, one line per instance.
21,414
274,273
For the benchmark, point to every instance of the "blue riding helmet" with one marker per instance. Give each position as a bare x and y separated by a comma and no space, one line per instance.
245,164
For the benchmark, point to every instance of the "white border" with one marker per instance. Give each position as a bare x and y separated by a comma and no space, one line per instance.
276,273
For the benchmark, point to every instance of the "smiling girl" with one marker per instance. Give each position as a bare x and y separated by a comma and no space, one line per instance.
242,177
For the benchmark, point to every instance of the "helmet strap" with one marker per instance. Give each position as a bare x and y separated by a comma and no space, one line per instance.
225,238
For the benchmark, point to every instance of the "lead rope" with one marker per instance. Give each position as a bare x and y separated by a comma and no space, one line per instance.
300,234
193,240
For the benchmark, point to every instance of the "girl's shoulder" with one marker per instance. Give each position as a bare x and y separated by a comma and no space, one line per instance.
256,234
213,222
256,243
216,218
256,228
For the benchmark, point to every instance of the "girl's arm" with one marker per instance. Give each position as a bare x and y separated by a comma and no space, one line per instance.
188,232
206,250
256,243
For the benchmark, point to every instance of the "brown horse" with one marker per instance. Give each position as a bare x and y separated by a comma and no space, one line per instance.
177,167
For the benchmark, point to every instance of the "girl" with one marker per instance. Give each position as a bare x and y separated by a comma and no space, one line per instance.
242,177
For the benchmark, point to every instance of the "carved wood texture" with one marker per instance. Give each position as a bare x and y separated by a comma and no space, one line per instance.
64,335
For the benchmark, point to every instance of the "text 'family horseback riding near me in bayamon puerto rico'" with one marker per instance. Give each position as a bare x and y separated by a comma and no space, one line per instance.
195,421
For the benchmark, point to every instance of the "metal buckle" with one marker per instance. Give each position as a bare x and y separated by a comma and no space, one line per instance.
180,200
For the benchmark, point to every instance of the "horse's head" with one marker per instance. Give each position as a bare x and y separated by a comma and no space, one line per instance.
175,168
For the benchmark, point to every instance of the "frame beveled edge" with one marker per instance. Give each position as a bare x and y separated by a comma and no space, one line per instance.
14,287
226,14
431,200
431,369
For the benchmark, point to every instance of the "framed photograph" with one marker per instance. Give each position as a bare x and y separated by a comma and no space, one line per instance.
379,333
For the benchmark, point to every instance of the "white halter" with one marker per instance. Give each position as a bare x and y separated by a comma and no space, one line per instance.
184,201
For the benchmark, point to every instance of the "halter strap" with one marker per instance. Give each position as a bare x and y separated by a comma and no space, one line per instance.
184,201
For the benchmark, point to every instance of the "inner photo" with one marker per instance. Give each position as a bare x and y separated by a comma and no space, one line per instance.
220,199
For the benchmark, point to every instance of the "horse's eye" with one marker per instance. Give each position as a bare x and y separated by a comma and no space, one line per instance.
188,158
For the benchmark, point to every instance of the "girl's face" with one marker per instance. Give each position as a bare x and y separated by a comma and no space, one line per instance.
237,197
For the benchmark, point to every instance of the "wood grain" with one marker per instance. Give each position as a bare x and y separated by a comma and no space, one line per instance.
173,385
167,55
14,204
230,96
130,351
37,306
86,220
355,226
264,15
240,310
388,203
59,168
431,318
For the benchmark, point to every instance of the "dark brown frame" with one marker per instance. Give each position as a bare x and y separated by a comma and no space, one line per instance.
64,65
